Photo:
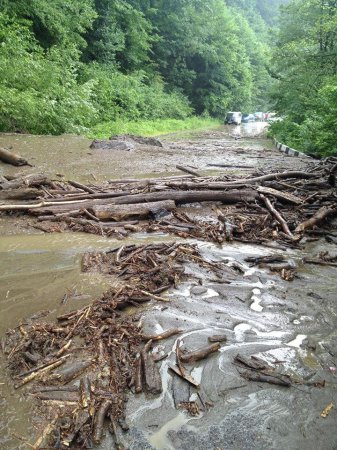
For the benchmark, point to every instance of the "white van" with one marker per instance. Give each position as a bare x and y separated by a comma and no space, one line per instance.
234,117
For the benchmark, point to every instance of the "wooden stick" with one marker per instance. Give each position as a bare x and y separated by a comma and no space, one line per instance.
187,170
277,216
200,353
39,372
81,186
184,376
321,214
99,420
155,297
164,335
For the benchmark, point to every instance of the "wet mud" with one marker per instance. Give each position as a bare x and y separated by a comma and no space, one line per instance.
289,325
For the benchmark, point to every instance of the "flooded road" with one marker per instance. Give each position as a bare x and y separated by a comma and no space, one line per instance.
290,324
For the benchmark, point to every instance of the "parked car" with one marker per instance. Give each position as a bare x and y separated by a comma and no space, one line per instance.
248,118
259,116
233,117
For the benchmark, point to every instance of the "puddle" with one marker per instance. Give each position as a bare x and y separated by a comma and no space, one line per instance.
255,306
160,440
298,341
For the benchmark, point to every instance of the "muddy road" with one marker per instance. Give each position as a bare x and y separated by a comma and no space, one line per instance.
290,325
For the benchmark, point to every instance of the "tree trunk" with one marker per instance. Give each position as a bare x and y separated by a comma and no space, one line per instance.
140,210
11,158
28,180
19,194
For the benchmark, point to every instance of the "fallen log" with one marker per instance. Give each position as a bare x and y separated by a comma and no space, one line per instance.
184,375
99,420
139,210
152,378
189,171
11,158
85,392
19,194
277,216
321,214
280,380
164,335
81,186
217,338
319,262
290,198
71,371
242,182
41,371
180,197
138,375
202,353
34,180
252,363
61,396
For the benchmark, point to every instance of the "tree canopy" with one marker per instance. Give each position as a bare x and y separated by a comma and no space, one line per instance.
305,62
66,65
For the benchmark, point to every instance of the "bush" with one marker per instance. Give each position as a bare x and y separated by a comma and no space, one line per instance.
132,97
39,93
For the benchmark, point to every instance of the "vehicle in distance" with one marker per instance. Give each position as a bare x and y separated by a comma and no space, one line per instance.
259,116
248,118
233,117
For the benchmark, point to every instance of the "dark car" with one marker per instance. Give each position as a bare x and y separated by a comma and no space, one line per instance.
233,118
248,118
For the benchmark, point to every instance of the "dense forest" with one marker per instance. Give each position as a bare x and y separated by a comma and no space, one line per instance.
68,65
305,66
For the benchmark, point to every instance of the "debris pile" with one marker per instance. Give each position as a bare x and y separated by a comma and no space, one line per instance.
279,207
82,366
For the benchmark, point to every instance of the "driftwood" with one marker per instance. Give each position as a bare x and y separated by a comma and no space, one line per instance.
202,353
182,197
188,170
139,210
290,198
85,392
184,375
99,420
152,377
252,363
11,158
321,214
279,380
241,182
26,181
217,338
81,186
138,375
61,396
19,194
164,335
71,371
277,215
38,372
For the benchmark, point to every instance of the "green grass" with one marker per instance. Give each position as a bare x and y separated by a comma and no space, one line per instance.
150,127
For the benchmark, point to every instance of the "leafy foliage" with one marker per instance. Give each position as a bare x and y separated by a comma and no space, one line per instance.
305,60
66,65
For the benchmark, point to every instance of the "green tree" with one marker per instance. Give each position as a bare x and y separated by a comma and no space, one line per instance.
305,63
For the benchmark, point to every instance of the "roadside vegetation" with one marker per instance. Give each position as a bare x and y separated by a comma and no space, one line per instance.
305,64
151,127
81,66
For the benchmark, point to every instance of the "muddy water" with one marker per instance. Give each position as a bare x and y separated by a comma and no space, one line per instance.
293,323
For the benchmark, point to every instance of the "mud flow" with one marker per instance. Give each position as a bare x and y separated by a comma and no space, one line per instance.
236,341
